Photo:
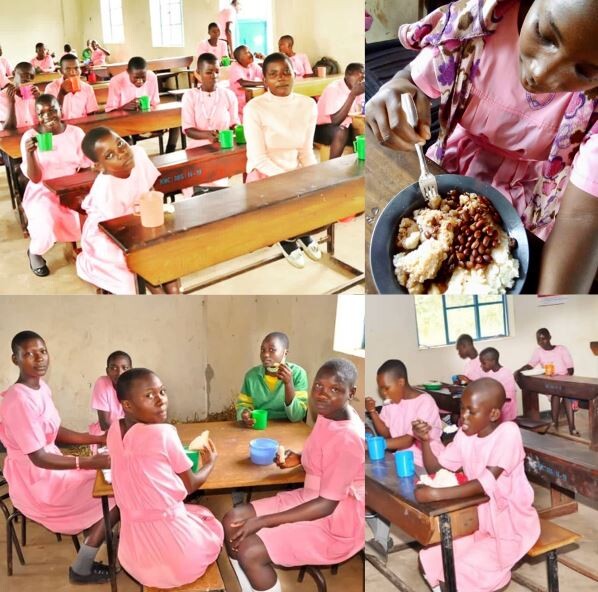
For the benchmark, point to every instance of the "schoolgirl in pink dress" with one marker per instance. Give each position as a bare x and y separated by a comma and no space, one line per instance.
328,513
125,173
164,542
518,111
17,100
300,61
491,455
213,44
103,397
48,221
243,73
46,486
491,368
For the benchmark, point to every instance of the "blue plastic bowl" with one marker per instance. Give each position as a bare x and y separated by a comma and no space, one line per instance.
262,451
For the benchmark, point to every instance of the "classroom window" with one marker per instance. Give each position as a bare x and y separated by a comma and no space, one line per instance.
441,319
113,29
167,23
349,328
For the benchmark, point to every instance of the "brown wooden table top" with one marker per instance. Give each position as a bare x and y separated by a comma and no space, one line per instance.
225,224
578,387
311,86
124,123
233,468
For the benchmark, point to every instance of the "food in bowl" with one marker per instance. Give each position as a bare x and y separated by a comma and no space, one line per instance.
459,248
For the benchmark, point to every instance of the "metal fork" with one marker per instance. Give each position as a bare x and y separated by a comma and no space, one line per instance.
427,181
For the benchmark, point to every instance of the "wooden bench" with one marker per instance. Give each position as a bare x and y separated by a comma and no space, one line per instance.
535,425
211,581
552,538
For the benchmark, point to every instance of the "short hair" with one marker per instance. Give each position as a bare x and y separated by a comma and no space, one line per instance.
88,145
343,368
118,354
46,99
39,45
206,58
24,66
287,38
394,367
353,67
464,338
68,57
212,25
275,57
20,338
282,337
543,331
490,351
126,380
238,51
136,63
68,48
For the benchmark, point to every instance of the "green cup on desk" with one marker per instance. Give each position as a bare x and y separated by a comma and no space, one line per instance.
225,61
193,456
225,137
44,142
144,103
260,417
240,134
359,147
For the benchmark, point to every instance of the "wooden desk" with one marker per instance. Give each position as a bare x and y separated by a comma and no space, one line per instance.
570,387
182,62
311,87
233,468
226,224
43,77
444,398
429,524
100,90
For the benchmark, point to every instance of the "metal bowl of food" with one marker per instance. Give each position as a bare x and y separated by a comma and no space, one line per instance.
387,251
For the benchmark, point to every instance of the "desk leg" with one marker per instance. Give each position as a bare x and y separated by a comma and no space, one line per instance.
109,549
448,560
531,408
593,417
381,530
140,285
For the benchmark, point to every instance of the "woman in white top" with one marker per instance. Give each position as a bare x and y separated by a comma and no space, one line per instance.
279,129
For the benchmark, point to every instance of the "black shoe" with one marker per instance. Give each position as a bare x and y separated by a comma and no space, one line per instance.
42,271
99,574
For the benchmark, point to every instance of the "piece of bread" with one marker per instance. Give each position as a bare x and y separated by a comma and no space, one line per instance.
281,454
201,441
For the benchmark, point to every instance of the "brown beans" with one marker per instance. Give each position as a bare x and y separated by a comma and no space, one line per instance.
486,241
475,244
477,233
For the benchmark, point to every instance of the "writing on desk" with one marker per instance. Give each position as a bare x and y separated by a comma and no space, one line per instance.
535,466
187,173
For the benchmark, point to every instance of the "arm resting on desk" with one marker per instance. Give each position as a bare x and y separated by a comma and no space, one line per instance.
399,443
57,462
430,494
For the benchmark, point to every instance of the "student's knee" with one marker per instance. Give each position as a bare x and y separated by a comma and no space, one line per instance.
252,552
341,134
240,512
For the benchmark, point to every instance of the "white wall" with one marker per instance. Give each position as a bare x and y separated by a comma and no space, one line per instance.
391,333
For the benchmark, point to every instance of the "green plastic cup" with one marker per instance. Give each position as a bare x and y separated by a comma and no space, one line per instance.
225,61
240,134
260,416
44,142
193,456
144,103
225,137
359,147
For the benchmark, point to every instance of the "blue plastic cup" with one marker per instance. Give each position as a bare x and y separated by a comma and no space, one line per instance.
455,379
376,447
404,463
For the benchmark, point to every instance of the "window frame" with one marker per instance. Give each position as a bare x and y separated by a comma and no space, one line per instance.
107,8
158,28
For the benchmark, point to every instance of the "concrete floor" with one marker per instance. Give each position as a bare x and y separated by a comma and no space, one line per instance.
277,277
47,561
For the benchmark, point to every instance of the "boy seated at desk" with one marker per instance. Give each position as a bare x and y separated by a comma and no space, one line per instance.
42,62
276,385
490,368
394,422
467,351
340,98
76,97
126,88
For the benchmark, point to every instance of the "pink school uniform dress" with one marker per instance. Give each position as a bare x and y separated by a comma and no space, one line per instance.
333,459
101,262
333,98
98,57
301,65
45,65
60,500
103,398
227,15
280,134
24,109
5,69
398,418
48,221
508,524
473,369
121,90
201,110
238,72
219,51
163,542
559,356
505,377
505,135
79,104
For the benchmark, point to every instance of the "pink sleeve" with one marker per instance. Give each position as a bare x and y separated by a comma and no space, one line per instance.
431,414
422,72
187,116
234,75
328,104
306,65
3,108
339,473
450,457
566,357
152,87
508,454
233,108
583,171
535,359
28,134
113,101
99,397
91,105
25,425
174,450
306,152
385,415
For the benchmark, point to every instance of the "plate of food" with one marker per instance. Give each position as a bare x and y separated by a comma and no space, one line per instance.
471,242
433,385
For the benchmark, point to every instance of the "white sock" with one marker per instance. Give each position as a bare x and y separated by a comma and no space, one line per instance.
275,588
241,576
84,559
436,589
